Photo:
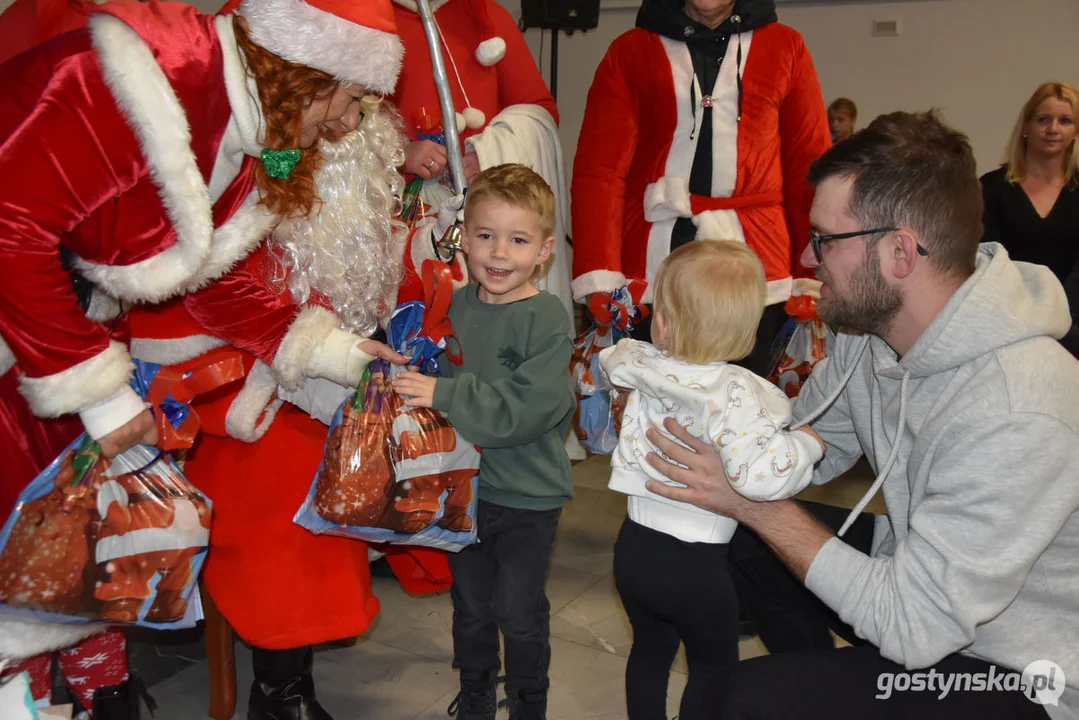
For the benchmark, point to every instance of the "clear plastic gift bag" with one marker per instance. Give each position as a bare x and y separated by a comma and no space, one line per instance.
802,343
99,540
599,408
393,473
120,540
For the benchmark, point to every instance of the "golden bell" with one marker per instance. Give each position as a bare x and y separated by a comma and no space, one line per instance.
451,241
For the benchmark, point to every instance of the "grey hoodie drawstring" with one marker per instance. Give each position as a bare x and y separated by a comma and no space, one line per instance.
892,456
899,432
839,390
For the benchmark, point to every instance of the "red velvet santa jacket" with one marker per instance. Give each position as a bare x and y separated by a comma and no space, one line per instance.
635,152
467,25
108,138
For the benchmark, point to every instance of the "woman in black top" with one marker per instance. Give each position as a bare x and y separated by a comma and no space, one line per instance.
1032,202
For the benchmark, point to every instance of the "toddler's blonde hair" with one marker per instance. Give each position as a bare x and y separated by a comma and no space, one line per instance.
711,294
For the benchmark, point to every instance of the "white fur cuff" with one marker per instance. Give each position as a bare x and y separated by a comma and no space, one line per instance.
596,281
102,418
806,286
339,359
80,386
303,339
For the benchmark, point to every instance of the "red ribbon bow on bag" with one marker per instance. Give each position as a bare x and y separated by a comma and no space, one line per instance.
609,313
437,292
170,387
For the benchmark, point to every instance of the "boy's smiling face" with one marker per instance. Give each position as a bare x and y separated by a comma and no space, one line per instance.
505,244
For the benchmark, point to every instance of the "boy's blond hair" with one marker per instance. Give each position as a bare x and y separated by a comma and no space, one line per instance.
515,185
712,295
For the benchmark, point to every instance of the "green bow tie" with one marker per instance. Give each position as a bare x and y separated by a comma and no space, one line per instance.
280,163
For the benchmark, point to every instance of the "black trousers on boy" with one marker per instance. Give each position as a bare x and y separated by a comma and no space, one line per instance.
500,584
806,677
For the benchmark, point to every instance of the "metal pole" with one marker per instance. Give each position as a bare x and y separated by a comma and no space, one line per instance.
445,98
554,63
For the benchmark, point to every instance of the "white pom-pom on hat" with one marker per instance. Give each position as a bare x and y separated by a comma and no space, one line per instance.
490,51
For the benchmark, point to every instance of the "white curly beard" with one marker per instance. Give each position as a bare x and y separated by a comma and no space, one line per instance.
350,250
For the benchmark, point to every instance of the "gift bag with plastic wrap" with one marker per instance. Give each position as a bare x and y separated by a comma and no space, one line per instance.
802,343
115,540
393,473
598,419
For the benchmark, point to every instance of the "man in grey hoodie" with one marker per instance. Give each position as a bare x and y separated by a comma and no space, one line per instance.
950,381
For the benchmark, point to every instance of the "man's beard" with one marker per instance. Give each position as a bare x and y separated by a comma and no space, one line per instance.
868,304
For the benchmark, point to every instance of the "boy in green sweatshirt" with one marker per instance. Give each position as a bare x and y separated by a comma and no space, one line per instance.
512,397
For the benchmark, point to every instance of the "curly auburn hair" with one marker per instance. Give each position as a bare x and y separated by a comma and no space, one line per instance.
285,89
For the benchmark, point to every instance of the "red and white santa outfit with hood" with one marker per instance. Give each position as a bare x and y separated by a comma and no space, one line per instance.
647,165
148,180
505,113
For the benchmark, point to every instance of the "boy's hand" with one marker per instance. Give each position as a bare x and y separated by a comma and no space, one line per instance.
420,387
813,434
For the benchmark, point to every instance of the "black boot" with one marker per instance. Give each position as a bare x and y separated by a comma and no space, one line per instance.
283,687
121,702
527,704
476,699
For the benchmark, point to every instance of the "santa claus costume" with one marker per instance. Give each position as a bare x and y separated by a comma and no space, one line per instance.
505,113
691,132
148,183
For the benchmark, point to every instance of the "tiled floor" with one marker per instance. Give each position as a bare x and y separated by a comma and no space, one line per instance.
401,668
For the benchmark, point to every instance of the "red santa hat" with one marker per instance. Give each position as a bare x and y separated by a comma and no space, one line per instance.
353,40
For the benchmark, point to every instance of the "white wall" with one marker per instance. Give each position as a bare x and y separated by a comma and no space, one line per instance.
976,60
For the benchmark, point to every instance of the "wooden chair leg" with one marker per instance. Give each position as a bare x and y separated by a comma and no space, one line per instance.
221,660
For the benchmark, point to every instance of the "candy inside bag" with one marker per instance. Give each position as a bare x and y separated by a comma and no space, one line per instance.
393,473
99,540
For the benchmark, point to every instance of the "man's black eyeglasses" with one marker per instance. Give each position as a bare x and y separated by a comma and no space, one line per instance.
816,239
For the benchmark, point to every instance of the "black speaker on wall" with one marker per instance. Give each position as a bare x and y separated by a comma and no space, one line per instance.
557,15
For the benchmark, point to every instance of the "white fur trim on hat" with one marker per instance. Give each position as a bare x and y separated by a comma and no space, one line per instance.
302,33
490,51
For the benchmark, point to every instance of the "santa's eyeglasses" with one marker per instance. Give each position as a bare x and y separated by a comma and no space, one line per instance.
816,239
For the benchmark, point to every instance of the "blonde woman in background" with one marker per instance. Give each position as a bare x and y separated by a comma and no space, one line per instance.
1032,201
